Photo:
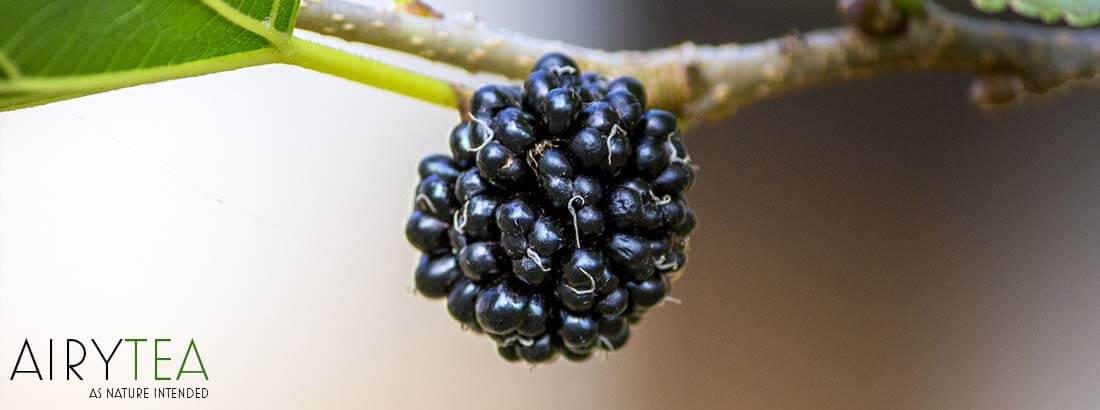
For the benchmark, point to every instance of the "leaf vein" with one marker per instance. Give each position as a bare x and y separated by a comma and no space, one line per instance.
125,17
44,12
273,36
273,16
57,52
9,67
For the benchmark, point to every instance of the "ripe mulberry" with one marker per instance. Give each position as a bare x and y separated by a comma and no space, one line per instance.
560,215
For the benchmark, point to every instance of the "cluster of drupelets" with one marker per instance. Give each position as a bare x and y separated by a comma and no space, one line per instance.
559,217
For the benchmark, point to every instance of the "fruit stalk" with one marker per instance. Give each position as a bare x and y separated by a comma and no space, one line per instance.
388,77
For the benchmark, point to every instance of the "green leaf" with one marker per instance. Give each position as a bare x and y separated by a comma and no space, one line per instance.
1079,13
57,49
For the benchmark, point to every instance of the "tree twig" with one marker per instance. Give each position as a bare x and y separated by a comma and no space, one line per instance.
710,82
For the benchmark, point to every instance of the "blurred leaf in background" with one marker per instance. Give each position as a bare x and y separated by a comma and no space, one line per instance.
1078,13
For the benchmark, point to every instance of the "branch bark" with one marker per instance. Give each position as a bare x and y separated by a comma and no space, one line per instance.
713,81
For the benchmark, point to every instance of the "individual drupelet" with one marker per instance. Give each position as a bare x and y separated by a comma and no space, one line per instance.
558,218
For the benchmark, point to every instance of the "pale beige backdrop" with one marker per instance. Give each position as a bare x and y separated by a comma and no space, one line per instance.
858,250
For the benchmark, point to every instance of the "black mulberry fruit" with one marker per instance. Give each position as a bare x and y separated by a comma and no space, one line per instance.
560,216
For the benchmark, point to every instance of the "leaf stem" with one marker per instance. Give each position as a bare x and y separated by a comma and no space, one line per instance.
342,64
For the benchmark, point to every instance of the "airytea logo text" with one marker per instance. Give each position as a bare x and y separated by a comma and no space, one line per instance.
157,354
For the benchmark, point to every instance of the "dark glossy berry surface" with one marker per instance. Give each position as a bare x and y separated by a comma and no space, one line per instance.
535,316
469,184
547,236
677,177
614,303
601,116
531,270
559,218
465,138
537,87
509,352
560,109
540,350
578,332
576,299
615,340
440,165
649,292
657,125
516,216
554,60
435,274
650,158
624,207
502,167
515,129
610,324
478,218
462,299
630,85
490,99
499,309
427,233
626,106
480,260
435,196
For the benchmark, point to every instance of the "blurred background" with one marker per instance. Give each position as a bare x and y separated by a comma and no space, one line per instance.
867,245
